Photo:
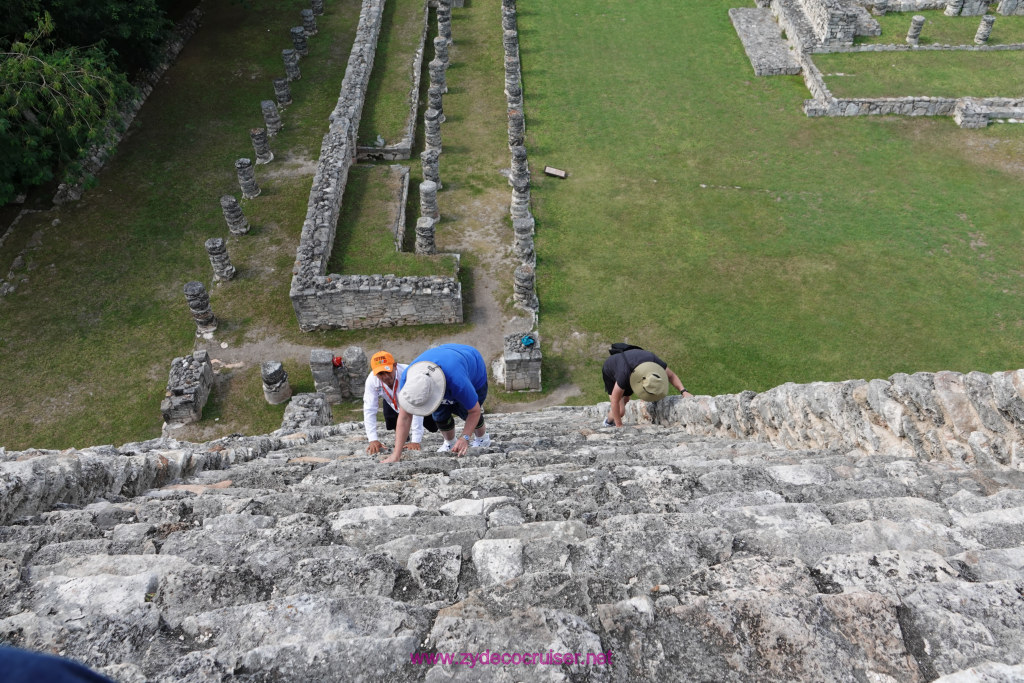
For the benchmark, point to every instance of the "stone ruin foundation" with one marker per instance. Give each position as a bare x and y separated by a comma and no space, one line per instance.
520,365
306,410
188,387
337,383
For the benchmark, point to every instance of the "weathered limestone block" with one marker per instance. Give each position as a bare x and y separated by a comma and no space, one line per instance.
524,292
247,178
199,304
1010,7
428,200
317,7
436,571
271,116
510,41
282,91
984,29
327,378
522,363
914,32
238,224
261,145
514,95
498,560
425,235
444,21
441,50
217,249
437,76
308,22
524,229
188,387
291,64
306,410
299,40
275,382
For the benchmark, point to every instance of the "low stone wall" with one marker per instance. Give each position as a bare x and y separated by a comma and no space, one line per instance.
35,481
519,366
886,6
357,301
901,47
188,387
974,418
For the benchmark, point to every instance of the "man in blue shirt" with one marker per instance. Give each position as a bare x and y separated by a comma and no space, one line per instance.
444,381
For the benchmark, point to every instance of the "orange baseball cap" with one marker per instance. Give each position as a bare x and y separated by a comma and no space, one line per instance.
382,361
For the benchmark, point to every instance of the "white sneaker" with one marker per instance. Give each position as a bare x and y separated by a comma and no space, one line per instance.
445,447
483,441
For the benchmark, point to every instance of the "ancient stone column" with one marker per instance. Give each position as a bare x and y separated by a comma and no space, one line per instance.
520,166
247,178
444,22
325,374
513,71
308,22
356,367
318,7
275,382
514,95
199,304
508,19
437,77
271,117
425,235
430,160
435,101
953,8
523,229
511,42
261,145
282,91
299,40
914,34
441,50
516,128
236,220
523,292
217,249
984,29
432,129
428,200
291,64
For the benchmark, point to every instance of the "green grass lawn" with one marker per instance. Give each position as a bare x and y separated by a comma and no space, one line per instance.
387,97
935,74
706,218
942,30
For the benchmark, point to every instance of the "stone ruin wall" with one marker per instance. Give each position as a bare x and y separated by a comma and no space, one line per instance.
834,22
975,418
324,301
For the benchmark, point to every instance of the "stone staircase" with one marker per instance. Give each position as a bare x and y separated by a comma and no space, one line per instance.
662,555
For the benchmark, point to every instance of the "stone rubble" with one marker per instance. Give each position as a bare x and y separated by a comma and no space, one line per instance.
188,387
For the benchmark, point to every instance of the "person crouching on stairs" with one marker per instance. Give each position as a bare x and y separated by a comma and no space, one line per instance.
382,383
636,371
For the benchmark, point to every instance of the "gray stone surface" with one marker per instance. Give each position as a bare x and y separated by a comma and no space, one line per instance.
768,53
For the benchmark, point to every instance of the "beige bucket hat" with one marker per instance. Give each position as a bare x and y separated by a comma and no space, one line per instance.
649,382
424,388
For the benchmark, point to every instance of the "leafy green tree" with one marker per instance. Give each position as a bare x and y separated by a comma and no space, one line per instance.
54,103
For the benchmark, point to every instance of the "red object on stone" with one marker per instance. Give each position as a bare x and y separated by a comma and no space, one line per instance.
338,361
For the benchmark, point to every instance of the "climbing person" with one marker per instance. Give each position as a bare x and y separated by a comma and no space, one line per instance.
382,383
447,380
630,370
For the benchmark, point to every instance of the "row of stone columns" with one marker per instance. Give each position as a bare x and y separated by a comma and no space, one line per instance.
980,37
430,212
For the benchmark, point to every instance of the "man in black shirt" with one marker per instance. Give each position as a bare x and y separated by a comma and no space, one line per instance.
639,372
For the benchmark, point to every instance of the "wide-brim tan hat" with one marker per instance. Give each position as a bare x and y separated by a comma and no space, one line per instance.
649,382
424,388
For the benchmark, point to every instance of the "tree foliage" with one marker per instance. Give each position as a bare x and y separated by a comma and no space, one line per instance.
54,103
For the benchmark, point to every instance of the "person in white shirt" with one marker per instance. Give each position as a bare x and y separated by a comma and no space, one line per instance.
382,382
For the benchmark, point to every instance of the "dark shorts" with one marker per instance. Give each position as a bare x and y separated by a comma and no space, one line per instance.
609,385
444,415
391,419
